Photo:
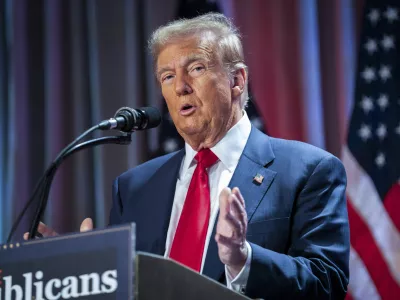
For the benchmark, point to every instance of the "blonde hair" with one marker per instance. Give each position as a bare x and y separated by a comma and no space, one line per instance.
227,40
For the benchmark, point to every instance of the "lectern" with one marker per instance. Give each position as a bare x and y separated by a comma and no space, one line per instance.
99,264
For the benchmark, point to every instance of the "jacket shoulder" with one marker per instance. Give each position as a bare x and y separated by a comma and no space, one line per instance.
291,150
146,169
297,161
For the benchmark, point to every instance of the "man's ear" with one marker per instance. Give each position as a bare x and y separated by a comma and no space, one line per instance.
239,82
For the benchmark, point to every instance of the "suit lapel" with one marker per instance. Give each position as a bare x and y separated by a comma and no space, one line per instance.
156,221
253,162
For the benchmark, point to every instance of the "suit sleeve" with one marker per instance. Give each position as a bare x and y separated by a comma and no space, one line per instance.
316,263
116,209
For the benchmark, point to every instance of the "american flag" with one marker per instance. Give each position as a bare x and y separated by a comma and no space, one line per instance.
372,157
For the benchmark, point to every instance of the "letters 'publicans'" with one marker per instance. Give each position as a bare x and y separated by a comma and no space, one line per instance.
69,287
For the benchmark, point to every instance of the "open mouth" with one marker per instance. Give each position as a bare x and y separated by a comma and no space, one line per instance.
187,109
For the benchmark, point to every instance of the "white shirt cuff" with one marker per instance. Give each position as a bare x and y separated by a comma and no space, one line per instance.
238,284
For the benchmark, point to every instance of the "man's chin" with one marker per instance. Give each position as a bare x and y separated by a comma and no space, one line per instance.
190,132
193,133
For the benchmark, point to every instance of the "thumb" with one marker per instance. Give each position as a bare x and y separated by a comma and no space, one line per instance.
86,225
224,201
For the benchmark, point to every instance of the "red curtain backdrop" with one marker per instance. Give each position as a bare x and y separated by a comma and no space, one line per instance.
270,32
274,49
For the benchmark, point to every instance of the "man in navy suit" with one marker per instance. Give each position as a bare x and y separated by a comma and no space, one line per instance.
272,212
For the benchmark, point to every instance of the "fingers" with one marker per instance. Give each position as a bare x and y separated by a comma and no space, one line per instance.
223,198
235,228
237,209
238,194
42,231
86,225
224,201
231,230
232,205
38,235
228,242
45,231
233,218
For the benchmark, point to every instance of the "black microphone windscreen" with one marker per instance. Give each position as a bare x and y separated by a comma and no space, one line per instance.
153,116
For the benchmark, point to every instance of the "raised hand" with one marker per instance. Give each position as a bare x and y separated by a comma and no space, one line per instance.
231,230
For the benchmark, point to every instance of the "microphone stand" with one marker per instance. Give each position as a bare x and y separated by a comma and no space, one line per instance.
42,188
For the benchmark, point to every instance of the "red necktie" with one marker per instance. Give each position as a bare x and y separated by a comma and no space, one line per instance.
190,236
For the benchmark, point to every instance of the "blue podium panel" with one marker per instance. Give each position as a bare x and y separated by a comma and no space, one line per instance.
98,264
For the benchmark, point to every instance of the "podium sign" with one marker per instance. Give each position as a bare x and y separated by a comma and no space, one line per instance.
98,264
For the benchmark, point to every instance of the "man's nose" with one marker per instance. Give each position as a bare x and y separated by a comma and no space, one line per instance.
182,87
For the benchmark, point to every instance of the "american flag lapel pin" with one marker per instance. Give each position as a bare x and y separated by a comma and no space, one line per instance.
258,178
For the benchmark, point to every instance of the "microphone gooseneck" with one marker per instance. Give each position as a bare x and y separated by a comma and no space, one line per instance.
126,120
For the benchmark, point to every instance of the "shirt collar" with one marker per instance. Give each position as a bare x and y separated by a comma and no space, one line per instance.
228,149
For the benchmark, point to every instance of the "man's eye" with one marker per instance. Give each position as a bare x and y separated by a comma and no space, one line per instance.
167,78
198,69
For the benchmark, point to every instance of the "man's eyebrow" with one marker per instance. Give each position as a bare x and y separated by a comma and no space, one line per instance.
192,58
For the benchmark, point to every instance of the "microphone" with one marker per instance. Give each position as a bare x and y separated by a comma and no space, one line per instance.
127,119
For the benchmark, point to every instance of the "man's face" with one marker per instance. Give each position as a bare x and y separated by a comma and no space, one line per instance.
197,91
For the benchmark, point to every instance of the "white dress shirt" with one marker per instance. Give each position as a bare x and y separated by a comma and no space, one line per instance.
228,150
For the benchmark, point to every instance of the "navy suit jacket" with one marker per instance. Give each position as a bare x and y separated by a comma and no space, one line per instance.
298,224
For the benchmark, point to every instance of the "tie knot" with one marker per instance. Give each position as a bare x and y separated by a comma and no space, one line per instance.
206,158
